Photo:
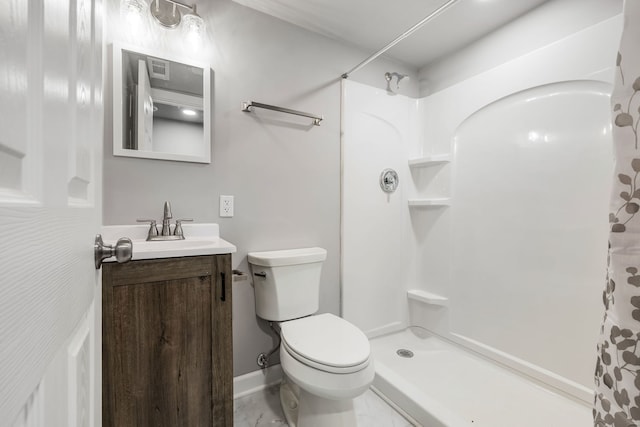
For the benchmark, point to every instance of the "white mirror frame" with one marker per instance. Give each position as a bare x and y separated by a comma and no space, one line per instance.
116,56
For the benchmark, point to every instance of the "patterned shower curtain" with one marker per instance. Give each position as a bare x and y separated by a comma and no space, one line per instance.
617,376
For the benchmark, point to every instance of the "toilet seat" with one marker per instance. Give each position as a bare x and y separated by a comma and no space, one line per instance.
326,342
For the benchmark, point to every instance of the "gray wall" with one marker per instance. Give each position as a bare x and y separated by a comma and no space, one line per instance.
285,176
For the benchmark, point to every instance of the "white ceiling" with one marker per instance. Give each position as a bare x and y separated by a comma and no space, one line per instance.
372,24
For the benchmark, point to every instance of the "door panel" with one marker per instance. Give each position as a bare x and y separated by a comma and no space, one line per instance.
144,134
158,352
81,367
19,143
50,145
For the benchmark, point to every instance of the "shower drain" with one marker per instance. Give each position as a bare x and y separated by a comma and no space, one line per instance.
403,352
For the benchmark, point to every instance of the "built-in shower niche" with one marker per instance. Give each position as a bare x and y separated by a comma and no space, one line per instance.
430,176
429,203
429,215
430,160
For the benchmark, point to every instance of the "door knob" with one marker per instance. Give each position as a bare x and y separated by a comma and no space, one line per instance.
122,250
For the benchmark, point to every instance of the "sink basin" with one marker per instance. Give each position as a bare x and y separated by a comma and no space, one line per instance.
200,239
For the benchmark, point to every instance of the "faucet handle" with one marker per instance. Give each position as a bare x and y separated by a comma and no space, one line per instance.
177,231
153,228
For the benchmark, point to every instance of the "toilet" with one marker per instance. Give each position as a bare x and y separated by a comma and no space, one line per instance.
326,360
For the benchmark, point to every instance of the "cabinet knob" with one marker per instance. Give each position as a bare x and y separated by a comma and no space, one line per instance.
122,250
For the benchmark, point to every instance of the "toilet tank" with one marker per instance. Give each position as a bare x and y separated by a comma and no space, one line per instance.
287,282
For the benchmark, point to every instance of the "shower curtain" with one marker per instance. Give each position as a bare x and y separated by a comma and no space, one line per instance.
617,376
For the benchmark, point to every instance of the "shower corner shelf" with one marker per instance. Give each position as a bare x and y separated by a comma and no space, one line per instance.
435,159
427,297
429,202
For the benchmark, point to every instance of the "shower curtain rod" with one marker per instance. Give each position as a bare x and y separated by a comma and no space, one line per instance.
403,36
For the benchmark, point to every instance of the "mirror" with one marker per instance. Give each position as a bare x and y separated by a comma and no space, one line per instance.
161,107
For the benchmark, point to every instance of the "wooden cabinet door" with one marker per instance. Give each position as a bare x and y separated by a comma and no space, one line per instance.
166,355
222,344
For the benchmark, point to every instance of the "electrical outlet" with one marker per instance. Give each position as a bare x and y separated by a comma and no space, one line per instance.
226,206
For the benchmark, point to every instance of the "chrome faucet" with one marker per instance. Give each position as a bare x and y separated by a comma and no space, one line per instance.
165,234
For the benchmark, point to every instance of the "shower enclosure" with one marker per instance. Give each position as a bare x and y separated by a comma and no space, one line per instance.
488,261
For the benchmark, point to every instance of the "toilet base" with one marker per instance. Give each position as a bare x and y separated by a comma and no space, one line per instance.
289,401
314,411
303,409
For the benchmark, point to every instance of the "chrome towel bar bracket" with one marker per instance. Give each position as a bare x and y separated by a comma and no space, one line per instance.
247,106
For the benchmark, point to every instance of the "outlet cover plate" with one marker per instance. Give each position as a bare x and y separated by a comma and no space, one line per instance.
226,206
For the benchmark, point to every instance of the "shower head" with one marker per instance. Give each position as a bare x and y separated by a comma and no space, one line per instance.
389,76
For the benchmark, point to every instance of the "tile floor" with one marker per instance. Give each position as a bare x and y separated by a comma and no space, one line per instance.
262,409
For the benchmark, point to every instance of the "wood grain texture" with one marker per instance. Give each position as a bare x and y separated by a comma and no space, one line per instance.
166,343
222,366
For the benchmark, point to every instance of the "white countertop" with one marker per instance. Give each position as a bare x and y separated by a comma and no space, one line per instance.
200,239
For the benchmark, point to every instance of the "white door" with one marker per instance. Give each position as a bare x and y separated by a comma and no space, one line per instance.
51,72
145,109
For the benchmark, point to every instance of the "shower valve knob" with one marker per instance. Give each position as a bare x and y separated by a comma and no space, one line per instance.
389,180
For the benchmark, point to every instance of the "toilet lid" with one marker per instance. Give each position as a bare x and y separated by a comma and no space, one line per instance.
326,340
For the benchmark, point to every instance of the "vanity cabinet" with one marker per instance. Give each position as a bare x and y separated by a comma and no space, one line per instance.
167,343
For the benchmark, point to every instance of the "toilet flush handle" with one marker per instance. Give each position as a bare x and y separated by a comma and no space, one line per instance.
260,274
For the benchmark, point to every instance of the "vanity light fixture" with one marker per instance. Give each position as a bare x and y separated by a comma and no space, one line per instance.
193,27
167,13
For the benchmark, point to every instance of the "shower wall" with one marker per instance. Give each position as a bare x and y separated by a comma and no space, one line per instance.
377,134
527,228
512,265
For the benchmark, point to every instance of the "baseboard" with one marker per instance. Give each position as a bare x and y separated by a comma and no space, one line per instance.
256,381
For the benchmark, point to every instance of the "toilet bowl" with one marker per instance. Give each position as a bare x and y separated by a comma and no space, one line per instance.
327,363
326,360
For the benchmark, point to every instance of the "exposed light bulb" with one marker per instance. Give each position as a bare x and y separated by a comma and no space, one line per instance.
132,12
188,112
192,28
